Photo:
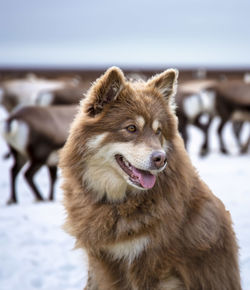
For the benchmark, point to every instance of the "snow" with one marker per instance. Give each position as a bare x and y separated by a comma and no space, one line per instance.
35,252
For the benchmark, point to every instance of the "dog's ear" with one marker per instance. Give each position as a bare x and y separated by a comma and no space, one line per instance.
165,83
105,90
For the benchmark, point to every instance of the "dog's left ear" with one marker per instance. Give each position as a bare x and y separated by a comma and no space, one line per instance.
165,82
105,90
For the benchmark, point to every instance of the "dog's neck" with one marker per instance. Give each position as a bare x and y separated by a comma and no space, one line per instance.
106,188
115,193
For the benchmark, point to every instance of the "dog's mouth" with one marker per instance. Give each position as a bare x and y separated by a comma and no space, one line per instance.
141,178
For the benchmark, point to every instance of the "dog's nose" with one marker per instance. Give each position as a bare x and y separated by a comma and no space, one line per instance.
158,159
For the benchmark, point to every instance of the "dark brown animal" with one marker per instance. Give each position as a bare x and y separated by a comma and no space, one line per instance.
35,134
134,201
232,103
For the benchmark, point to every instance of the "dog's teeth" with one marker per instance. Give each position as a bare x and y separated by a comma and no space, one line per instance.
126,163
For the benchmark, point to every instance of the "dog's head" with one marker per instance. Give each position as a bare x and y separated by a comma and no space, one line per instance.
124,131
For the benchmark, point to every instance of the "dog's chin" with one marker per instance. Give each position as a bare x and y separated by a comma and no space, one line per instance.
135,177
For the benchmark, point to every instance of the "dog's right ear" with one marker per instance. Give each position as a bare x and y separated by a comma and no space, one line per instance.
165,83
105,90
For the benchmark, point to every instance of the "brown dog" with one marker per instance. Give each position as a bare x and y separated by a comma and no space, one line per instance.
134,201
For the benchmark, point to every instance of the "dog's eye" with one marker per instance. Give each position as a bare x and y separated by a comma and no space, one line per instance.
131,128
158,131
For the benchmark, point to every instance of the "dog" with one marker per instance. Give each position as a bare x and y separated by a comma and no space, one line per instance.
134,201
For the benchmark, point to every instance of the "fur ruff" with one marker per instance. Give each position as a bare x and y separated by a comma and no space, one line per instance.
176,235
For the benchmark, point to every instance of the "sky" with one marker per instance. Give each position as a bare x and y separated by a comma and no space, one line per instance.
80,33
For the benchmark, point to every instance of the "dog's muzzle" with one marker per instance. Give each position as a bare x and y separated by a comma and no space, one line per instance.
144,179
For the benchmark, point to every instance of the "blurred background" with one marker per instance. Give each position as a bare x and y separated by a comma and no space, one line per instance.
51,52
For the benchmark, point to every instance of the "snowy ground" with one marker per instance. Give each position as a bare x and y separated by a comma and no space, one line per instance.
35,253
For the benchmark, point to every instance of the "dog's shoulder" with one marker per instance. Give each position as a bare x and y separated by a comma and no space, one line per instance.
207,220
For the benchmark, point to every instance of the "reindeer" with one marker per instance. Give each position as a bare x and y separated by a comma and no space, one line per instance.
42,92
35,134
194,99
70,94
16,92
232,103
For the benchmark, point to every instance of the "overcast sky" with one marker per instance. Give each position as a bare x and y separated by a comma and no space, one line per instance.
80,33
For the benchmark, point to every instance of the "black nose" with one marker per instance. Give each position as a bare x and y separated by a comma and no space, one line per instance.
158,159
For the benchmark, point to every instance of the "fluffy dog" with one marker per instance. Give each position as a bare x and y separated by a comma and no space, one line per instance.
134,201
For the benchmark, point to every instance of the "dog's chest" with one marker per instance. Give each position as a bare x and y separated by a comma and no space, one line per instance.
128,250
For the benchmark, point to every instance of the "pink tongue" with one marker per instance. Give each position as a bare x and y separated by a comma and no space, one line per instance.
147,180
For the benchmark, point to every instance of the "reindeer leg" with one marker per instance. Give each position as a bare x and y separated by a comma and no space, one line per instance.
205,129
19,162
182,126
204,147
237,128
53,176
219,131
245,146
29,174
184,134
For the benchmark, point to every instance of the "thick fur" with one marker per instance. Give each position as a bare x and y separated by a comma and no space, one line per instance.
176,235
